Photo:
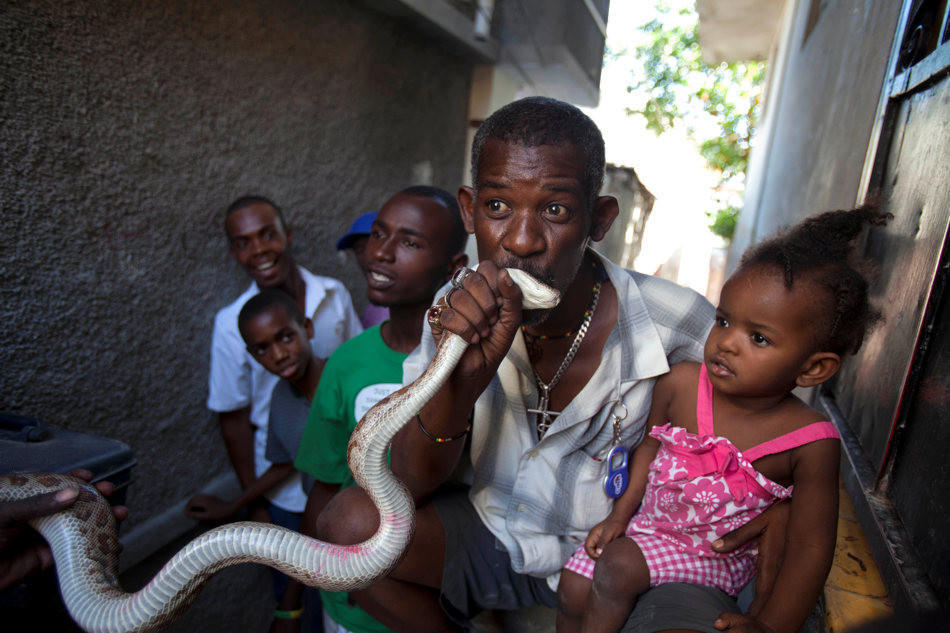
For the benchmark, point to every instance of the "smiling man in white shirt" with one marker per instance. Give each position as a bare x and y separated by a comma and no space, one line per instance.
239,388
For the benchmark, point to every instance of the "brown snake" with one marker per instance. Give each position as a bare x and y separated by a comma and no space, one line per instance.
85,547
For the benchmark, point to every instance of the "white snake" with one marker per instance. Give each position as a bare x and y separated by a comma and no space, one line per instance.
85,547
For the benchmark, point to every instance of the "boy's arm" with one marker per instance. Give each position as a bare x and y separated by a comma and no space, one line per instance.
321,454
270,478
238,435
210,508
488,318
810,538
289,611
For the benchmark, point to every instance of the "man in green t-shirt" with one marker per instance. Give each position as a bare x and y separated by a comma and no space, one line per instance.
415,246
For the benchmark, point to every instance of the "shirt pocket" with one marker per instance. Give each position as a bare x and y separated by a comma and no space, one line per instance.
590,485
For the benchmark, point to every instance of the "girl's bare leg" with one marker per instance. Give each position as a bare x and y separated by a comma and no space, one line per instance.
620,576
572,592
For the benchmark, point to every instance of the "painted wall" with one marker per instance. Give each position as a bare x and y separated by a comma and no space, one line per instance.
125,129
820,108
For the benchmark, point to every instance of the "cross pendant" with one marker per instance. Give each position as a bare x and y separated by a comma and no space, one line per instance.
542,410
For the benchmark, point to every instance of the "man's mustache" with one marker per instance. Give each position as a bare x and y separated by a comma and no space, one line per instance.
532,268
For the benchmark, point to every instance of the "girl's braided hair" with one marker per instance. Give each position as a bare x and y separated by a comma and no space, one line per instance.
821,249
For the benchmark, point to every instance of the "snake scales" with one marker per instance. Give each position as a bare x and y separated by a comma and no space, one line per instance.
85,547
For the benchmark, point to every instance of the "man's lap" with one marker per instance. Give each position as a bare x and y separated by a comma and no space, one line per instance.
478,575
678,606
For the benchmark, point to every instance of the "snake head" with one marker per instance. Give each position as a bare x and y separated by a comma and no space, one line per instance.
536,295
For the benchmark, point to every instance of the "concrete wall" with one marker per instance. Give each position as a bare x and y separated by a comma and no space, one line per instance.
125,129
820,109
624,239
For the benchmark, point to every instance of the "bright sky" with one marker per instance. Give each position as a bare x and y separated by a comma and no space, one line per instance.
669,166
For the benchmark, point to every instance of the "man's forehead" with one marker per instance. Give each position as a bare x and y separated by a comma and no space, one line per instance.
501,160
267,321
251,218
413,215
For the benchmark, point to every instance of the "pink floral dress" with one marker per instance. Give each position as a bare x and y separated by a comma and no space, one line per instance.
699,488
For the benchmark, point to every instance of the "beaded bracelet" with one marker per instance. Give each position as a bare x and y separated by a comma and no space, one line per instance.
288,615
442,440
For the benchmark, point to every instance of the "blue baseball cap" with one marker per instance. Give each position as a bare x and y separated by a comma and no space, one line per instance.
361,226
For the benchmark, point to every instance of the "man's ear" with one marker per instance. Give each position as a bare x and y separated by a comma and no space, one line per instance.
308,326
818,368
466,200
604,213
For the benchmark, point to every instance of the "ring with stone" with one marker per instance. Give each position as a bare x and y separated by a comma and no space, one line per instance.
434,315
459,277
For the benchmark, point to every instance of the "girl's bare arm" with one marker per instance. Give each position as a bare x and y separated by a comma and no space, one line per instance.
639,466
810,537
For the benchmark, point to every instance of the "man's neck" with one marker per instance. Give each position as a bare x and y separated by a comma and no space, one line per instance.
402,332
295,286
576,300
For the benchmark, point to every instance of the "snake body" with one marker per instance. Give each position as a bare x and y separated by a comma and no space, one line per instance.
85,547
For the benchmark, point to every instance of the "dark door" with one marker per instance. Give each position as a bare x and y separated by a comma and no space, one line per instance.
895,394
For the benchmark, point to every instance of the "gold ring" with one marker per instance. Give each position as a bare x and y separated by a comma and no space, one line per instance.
434,315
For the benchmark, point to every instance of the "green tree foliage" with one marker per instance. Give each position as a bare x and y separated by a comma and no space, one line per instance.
718,104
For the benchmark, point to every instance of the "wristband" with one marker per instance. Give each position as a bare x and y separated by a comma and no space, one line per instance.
442,440
289,614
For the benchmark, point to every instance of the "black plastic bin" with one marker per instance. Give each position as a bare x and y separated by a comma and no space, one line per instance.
28,445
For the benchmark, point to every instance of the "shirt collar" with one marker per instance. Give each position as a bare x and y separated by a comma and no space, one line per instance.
633,352
641,352
313,289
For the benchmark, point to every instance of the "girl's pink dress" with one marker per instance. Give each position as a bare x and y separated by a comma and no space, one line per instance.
699,488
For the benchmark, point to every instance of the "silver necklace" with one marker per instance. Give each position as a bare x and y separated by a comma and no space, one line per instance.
544,390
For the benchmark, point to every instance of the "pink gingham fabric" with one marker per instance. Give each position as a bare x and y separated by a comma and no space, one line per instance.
699,488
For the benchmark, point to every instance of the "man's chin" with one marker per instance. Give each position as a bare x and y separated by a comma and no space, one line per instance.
542,275
535,317
271,281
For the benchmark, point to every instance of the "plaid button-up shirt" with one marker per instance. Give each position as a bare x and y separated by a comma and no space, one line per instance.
540,498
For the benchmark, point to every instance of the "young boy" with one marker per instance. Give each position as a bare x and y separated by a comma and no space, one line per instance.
239,389
415,246
280,338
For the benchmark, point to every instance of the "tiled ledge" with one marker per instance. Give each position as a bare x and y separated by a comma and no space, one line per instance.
854,593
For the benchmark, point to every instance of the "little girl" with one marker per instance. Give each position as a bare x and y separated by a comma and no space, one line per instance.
726,438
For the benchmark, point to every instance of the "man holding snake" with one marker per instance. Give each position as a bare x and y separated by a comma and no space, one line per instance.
547,395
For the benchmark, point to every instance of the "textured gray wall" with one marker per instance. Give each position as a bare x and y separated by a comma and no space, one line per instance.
824,112
125,129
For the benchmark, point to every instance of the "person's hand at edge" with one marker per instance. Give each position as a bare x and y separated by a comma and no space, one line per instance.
22,551
740,623
209,508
